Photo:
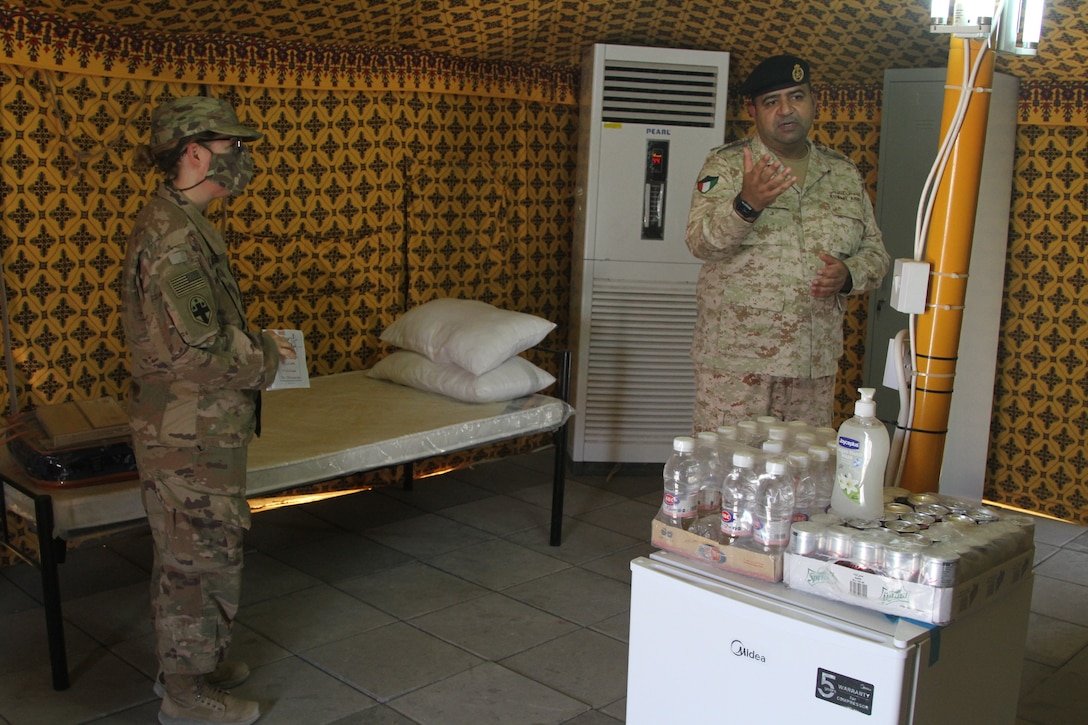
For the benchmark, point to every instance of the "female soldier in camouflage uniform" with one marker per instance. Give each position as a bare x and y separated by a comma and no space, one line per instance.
196,370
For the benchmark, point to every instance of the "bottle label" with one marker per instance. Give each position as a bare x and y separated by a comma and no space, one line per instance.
678,506
771,532
850,469
734,525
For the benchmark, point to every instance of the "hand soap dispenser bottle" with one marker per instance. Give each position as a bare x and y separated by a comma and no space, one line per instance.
862,457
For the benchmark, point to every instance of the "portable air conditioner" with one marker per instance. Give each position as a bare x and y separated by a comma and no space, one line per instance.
649,116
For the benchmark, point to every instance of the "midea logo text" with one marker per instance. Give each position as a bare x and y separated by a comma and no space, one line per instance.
738,649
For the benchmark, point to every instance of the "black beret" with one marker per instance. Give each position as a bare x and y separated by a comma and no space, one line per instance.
775,73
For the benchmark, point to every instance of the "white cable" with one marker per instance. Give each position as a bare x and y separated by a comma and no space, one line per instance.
925,214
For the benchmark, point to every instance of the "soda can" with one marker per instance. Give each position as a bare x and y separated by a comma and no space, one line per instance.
899,526
955,504
960,519
940,565
868,550
863,524
807,538
839,541
902,559
896,494
895,510
936,510
827,519
920,520
916,499
983,515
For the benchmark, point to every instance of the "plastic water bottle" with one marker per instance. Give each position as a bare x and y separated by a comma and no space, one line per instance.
773,508
738,491
804,486
823,473
709,507
682,476
748,433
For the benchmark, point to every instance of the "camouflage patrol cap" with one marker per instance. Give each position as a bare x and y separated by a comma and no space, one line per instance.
774,74
179,118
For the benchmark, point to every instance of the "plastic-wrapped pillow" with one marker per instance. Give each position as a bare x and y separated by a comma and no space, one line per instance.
473,335
515,378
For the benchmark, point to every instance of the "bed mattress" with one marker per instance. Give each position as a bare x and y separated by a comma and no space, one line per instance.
344,423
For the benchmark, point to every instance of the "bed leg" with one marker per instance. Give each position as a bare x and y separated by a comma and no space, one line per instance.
50,554
559,463
409,477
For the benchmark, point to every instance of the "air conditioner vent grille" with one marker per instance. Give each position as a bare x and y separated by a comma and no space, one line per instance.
656,94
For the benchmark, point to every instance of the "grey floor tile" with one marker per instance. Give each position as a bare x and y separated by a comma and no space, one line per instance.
631,518
114,615
1061,699
1058,533
363,510
1070,566
23,643
377,715
488,695
439,492
583,597
85,572
617,627
499,515
101,684
583,664
392,660
1060,599
286,528
1044,552
427,535
494,626
411,590
263,577
507,476
497,564
310,618
292,691
1033,674
578,498
1052,641
593,717
617,709
1080,543
618,565
339,557
581,541
139,715
12,598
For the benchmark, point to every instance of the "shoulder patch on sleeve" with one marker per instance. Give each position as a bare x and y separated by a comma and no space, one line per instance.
706,183
192,295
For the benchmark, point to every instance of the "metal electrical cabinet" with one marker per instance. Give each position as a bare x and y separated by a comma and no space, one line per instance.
648,118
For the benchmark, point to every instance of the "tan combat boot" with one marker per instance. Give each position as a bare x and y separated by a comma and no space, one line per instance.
190,700
226,676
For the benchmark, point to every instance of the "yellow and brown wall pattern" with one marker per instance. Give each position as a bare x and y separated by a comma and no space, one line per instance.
387,179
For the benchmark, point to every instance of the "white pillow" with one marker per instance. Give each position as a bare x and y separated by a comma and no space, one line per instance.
515,378
474,335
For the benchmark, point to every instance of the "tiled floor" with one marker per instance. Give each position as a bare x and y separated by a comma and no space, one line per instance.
442,606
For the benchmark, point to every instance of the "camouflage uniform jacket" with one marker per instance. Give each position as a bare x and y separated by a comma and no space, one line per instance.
195,366
755,313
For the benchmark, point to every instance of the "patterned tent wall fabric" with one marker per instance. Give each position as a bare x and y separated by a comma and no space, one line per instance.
368,202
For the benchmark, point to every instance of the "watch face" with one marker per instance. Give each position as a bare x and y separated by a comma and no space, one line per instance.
745,210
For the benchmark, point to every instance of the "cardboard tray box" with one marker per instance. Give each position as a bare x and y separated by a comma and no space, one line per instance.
935,605
721,556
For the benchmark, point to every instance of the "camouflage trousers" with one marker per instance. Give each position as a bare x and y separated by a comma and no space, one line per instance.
197,570
726,398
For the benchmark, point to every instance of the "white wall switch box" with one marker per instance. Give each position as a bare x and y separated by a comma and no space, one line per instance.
910,286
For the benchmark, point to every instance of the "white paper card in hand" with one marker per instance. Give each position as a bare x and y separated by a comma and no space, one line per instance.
292,373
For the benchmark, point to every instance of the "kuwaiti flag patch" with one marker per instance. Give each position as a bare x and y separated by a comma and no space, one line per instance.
706,183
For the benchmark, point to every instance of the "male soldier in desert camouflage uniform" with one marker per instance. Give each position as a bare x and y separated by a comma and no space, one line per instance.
196,370
786,230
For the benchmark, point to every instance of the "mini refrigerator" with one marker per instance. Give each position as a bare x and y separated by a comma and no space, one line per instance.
707,646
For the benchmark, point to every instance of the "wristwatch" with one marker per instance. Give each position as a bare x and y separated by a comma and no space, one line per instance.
744,210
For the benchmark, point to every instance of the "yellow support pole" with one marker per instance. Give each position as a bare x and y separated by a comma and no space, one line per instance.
948,250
